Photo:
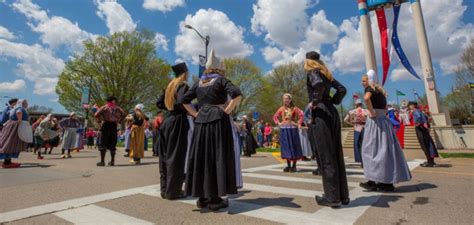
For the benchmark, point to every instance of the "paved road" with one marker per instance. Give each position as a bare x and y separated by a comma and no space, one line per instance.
75,191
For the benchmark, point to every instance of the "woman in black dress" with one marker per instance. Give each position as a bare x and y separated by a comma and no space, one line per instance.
211,164
172,140
325,130
249,144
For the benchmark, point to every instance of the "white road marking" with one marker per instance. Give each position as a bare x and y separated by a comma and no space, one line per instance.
281,190
255,169
360,176
269,213
92,214
347,215
292,179
361,201
69,204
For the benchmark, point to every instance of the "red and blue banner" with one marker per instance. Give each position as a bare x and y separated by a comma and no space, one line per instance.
398,46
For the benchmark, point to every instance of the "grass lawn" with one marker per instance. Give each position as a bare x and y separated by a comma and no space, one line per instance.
457,155
268,150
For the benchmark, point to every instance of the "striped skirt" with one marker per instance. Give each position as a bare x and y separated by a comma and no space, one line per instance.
10,143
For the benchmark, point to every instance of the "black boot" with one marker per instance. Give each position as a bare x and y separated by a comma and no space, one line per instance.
385,187
316,172
217,203
202,203
102,158
369,185
325,202
112,158
293,168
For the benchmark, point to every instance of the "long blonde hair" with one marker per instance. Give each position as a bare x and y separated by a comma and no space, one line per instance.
170,93
375,86
310,64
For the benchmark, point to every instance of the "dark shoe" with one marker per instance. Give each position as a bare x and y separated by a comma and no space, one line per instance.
427,164
202,203
323,201
293,170
286,169
345,201
100,164
111,163
369,185
218,205
386,187
163,195
316,172
305,159
126,155
180,196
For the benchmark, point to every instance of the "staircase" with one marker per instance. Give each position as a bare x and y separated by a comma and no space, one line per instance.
411,142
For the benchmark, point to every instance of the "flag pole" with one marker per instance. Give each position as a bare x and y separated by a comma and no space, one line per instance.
398,103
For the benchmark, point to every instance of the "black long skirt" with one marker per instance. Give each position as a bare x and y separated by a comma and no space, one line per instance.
211,163
172,145
325,138
250,144
108,138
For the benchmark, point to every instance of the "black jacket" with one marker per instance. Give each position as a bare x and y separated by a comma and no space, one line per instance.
319,88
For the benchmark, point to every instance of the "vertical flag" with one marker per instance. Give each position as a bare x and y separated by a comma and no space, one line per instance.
398,46
382,22
202,65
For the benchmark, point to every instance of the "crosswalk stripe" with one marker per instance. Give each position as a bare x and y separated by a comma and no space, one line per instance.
68,204
292,179
314,167
255,169
93,214
361,201
361,176
281,190
269,213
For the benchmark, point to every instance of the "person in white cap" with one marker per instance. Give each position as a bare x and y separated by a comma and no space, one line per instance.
137,134
69,126
384,162
211,171
357,118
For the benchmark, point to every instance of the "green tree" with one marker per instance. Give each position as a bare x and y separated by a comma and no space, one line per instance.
123,64
460,101
39,109
288,78
246,75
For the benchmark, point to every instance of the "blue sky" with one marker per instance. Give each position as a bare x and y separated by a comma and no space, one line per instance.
38,36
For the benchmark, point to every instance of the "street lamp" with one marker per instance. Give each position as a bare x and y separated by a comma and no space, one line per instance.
204,38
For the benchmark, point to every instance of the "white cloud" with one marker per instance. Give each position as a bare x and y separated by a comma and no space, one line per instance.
447,37
290,36
115,16
161,41
282,21
36,64
226,37
30,10
55,31
6,34
163,5
14,86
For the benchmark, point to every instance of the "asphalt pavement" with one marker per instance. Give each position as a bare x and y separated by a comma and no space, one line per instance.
76,191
